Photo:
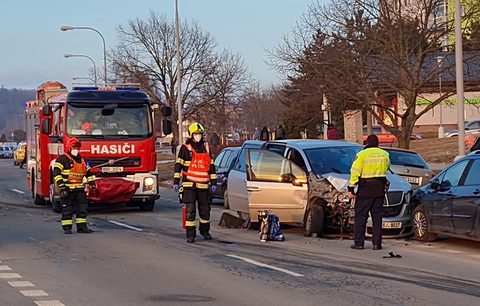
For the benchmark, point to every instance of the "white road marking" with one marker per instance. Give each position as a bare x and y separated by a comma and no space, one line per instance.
16,190
453,251
10,275
49,303
165,161
21,284
476,256
33,293
5,268
264,265
127,226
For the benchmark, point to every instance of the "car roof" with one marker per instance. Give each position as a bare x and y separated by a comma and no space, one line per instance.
398,150
232,148
314,143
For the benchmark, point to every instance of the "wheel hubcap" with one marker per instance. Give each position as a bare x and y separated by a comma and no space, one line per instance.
420,224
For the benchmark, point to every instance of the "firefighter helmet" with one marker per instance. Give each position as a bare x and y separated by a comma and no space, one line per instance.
195,128
73,143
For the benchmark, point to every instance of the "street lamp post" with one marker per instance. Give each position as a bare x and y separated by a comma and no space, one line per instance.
179,76
441,130
86,56
459,77
69,28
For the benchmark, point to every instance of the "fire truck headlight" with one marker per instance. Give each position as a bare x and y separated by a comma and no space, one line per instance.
148,183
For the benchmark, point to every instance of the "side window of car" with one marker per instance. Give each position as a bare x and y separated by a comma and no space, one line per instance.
454,174
474,126
225,159
240,164
219,159
277,149
377,131
473,177
297,159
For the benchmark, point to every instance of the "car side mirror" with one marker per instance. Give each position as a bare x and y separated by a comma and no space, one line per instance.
435,185
45,126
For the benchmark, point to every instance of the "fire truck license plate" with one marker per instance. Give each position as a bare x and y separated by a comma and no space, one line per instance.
387,224
112,169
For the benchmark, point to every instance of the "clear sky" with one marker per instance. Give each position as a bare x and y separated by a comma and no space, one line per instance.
32,45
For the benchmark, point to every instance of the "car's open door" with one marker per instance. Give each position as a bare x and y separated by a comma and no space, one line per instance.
276,184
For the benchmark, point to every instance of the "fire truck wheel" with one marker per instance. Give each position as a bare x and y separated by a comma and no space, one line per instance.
147,206
37,200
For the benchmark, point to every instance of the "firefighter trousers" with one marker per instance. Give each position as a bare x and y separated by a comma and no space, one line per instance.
364,206
76,202
190,198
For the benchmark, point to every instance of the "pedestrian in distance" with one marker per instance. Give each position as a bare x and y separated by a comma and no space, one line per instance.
68,172
332,132
369,172
195,169
173,143
215,143
256,134
472,142
280,133
265,134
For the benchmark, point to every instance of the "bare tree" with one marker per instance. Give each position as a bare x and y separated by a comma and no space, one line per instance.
362,52
146,54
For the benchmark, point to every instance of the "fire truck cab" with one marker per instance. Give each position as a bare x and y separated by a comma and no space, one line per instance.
116,128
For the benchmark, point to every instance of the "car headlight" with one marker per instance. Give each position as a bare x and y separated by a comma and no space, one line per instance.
148,183
407,197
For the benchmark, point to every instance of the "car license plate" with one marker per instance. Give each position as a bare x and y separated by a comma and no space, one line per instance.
411,179
112,169
387,224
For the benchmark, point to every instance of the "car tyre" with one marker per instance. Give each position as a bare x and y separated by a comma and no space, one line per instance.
421,226
314,220
225,197
147,206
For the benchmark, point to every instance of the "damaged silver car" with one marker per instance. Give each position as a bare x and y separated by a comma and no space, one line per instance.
305,182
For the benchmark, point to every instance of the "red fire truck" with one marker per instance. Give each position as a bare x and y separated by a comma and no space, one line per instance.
117,131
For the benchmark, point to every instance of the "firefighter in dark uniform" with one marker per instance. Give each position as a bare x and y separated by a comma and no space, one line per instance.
69,171
369,172
196,170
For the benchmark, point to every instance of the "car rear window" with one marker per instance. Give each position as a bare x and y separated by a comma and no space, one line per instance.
407,159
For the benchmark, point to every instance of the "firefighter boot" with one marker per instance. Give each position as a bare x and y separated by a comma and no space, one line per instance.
67,231
205,230
191,231
83,229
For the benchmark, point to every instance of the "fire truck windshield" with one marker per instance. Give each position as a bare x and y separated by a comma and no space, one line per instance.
85,120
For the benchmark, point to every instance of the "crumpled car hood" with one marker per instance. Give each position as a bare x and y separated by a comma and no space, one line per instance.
341,181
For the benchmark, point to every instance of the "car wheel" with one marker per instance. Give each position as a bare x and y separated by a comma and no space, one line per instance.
314,220
421,226
147,206
225,198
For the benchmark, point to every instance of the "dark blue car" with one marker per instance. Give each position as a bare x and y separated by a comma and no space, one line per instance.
450,203
223,165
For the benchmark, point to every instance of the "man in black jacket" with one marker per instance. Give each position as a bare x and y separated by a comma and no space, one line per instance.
196,170
69,171
472,142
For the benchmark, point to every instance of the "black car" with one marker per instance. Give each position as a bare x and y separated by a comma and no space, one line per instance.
450,203
223,164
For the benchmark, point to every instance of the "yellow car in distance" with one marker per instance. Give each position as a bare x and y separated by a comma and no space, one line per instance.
19,154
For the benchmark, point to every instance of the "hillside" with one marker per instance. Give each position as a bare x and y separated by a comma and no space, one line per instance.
11,106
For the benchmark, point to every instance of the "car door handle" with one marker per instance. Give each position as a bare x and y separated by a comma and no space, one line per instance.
253,189
477,191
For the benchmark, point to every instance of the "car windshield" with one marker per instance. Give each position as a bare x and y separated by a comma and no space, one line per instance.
407,159
112,121
333,159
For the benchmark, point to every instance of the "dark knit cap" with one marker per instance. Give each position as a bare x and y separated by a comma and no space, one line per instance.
372,141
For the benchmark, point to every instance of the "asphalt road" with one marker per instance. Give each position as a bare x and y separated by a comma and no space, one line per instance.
142,258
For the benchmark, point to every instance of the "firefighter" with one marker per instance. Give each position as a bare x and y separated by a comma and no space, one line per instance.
369,172
196,169
69,171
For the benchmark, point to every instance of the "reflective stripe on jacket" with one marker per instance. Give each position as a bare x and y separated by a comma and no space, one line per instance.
69,172
195,167
369,163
